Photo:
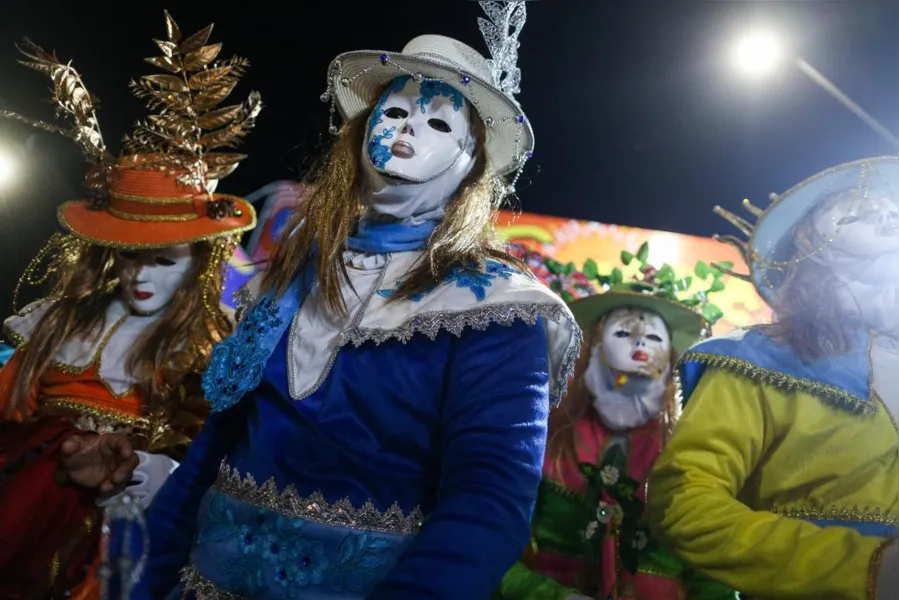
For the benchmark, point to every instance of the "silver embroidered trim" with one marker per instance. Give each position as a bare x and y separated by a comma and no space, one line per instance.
202,588
480,318
315,508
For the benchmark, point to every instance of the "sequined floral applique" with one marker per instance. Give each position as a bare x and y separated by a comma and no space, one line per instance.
237,363
465,277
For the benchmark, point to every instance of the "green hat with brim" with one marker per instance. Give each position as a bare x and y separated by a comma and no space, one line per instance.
686,325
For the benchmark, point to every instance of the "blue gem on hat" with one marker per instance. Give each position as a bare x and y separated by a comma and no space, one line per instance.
384,59
520,118
466,80
529,154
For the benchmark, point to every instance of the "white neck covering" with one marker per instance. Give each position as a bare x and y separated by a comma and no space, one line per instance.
636,402
409,202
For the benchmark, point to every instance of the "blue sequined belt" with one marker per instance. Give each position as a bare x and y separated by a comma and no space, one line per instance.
256,542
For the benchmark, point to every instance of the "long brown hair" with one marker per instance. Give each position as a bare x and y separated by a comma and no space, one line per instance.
807,312
465,236
178,344
561,445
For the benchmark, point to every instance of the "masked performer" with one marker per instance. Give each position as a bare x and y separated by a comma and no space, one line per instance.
131,320
381,409
589,540
782,478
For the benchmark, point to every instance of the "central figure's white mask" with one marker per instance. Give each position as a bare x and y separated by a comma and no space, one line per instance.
419,130
636,342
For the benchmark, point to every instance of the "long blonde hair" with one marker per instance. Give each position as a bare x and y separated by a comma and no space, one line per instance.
808,315
561,444
177,345
465,236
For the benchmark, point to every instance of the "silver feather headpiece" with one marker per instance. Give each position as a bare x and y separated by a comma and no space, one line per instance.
501,34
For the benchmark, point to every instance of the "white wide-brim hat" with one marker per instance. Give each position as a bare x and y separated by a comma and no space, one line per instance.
357,78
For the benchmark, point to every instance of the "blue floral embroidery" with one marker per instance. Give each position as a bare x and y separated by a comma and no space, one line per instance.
390,293
237,363
378,153
476,281
464,277
276,554
362,559
430,89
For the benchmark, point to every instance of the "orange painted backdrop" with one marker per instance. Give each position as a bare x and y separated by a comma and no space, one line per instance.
568,240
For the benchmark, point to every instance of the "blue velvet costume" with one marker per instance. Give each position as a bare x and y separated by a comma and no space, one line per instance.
409,473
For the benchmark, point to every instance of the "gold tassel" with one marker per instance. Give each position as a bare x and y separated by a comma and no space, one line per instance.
60,249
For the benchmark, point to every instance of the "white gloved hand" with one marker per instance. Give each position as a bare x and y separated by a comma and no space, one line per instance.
152,471
888,580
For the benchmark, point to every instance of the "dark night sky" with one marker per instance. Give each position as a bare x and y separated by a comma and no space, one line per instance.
639,117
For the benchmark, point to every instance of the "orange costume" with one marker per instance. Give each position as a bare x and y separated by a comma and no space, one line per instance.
118,345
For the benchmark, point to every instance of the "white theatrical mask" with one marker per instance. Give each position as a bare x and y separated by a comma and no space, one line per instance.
637,342
864,227
419,130
150,278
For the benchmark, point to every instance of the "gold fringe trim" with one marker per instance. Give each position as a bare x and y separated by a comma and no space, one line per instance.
827,393
854,514
105,414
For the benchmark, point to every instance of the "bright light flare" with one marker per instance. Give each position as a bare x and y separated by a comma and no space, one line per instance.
7,168
757,53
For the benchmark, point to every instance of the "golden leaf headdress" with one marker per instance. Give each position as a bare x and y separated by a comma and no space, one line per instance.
188,125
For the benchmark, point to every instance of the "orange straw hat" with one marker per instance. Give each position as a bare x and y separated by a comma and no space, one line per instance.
149,208
161,193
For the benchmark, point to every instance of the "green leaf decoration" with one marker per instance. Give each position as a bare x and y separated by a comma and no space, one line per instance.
617,275
604,280
588,470
701,270
690,302
639,286
615,457
711,313
666,273
726,264
566,296
569,269
554,267
683,284
626,257
643,252
591,270
716,272
717,286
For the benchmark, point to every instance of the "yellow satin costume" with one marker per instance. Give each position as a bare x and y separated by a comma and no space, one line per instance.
775,484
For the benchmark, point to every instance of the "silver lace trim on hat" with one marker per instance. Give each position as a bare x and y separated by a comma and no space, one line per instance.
314,507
